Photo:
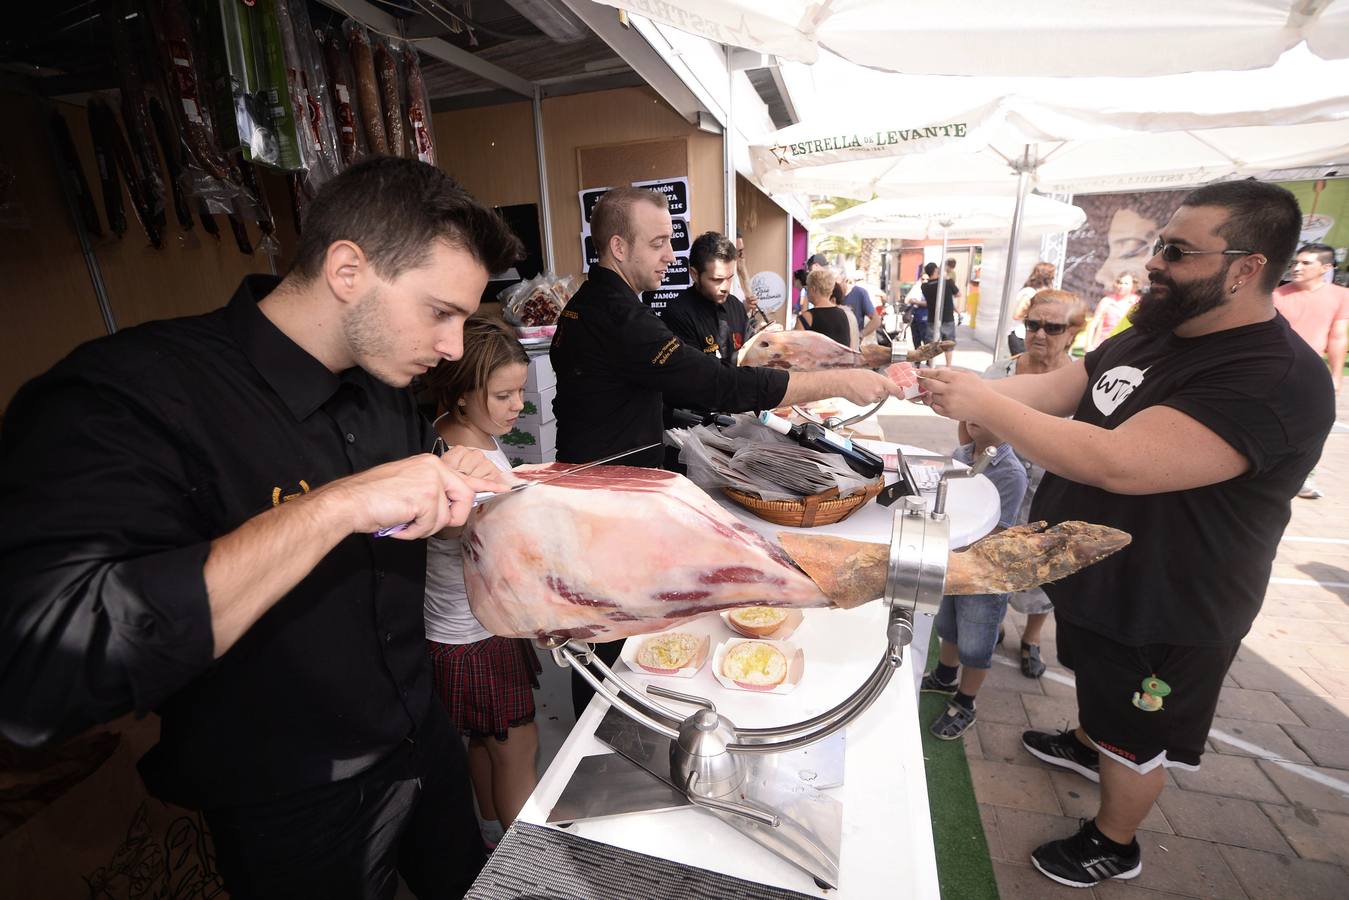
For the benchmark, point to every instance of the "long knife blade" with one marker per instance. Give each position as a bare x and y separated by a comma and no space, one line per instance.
485,496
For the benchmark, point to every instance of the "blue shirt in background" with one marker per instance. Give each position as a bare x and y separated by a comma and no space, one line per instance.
859,301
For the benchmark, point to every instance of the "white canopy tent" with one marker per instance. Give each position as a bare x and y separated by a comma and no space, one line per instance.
956,217
952,217
987,135
1016,37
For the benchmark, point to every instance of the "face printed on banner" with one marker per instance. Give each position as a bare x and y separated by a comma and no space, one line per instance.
403,328
1129,244
1180,291
715,282
644,261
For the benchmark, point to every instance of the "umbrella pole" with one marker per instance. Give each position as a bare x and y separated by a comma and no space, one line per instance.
934,316
1023,170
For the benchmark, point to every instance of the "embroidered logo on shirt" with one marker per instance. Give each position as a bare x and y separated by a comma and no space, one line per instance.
665,352
712,345
278,498
1114,387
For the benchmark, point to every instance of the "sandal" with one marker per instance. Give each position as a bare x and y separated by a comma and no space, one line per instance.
1031,665
952,723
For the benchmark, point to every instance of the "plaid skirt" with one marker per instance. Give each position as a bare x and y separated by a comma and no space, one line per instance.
487,686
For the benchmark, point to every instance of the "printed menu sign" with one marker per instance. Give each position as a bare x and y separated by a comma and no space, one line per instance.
675,191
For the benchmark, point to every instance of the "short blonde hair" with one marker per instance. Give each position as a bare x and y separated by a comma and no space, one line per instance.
820,282
1077,310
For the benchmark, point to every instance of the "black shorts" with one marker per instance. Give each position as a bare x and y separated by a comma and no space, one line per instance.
1143,726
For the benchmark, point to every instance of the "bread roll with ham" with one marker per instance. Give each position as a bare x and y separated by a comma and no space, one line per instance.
755,666
757,621
666,654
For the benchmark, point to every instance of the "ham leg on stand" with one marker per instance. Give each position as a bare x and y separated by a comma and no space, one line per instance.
617,551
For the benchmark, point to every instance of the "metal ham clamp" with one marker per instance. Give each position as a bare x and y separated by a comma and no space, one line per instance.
747,777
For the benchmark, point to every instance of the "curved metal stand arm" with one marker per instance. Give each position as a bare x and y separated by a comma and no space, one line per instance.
876,687
739,809
618,702
823,718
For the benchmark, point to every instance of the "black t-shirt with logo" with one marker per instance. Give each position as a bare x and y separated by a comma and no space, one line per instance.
1200,560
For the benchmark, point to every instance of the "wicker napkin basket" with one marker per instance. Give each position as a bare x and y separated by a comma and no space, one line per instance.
824,508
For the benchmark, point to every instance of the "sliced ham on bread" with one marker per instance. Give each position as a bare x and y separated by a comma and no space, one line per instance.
666,654
755,666
757,621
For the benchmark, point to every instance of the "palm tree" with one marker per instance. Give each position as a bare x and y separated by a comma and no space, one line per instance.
838,247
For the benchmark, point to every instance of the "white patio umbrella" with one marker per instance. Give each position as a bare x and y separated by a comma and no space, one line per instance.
988,135
959,217
1016,37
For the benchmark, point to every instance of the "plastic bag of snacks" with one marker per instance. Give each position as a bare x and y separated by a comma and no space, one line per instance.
537,301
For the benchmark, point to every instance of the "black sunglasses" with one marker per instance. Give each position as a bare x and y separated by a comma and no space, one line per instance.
1049,327
1173,253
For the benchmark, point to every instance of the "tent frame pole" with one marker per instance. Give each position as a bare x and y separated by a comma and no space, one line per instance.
1024,169
545,201
934,315
728,145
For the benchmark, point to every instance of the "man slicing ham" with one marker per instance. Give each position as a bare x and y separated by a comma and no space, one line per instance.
616,361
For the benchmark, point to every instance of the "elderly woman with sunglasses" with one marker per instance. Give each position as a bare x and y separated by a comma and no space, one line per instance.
1053,319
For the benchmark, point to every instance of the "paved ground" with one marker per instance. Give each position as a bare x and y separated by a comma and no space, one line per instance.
1267,816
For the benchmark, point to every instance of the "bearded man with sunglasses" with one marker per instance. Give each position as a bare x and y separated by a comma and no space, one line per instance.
1192,431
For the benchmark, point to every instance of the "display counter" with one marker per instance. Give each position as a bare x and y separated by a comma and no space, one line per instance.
887,845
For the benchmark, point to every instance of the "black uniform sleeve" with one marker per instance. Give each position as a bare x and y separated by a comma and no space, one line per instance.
650,355
103,606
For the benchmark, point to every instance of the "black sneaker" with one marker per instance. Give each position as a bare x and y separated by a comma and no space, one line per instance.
1063,749
930,685
1084,860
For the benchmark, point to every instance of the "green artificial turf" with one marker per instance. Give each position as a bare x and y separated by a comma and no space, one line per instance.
963,864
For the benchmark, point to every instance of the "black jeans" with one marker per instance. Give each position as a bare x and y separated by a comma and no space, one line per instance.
919,329
350,839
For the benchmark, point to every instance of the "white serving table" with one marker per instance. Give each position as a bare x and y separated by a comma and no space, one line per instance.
887,835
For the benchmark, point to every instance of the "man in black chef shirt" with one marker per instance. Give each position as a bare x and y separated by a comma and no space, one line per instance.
186,519
617,362
706,315
1191,431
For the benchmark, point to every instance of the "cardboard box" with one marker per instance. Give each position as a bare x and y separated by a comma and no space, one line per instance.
542,437
541,376
538,410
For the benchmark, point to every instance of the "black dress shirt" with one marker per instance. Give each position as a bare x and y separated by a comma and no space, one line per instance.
615,359
117,469
717,329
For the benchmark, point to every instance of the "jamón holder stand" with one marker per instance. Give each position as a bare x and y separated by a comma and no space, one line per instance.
764,782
